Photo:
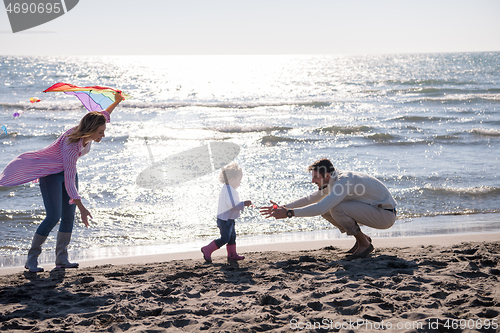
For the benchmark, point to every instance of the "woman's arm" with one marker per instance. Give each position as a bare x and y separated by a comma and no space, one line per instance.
118,99
70,157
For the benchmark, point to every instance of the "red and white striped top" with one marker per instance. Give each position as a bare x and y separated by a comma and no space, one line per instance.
55,158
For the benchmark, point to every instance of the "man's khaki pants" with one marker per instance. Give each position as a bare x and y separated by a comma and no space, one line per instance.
348,214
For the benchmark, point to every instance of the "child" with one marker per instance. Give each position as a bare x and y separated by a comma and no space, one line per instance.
228,210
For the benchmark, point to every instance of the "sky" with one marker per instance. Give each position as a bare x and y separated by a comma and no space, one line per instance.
192,27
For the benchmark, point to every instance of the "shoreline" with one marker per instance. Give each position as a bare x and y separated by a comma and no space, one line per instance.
449,225
285,246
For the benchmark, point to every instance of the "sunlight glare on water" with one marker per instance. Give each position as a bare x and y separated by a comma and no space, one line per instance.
425,124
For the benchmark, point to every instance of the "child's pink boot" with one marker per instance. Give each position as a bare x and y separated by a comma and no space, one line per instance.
207,251
231,253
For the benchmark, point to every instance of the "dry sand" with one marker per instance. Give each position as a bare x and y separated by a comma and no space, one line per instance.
423,284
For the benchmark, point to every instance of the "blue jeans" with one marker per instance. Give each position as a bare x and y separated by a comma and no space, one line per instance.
227,233
57,207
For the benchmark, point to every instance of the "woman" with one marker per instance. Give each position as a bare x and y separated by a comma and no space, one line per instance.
55,166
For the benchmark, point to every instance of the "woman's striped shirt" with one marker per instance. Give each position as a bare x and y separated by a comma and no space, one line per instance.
55,158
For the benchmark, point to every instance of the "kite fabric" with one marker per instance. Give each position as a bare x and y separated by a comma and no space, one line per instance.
94,98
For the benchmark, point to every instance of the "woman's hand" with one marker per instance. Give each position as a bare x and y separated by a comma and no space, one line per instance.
83,212
118,99
248,203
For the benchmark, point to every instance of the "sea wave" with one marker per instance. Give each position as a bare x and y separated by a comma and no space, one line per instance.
343,129
221,105
132,104
6,189
250,129
485,132
42,107
272,140
381,137
428,82
456,99
477,192
448,137
420,119
427,142
20,217
426,91
17,136
446,91
404,215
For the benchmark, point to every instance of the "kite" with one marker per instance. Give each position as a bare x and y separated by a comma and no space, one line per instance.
94,98
4,128
34,100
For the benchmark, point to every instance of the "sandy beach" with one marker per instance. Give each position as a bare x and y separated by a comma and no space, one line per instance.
421,284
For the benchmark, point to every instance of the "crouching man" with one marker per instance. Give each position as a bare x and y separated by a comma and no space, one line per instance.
346,199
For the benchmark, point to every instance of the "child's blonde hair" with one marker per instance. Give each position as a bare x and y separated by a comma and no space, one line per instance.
230,171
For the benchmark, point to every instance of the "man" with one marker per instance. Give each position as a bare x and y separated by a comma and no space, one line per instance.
345,199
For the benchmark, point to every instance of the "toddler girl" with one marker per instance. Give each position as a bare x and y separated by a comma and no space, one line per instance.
229,209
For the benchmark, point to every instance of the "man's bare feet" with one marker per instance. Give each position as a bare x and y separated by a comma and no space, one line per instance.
355,247
363,252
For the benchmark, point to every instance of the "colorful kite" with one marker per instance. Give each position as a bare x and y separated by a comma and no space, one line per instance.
4,128
34,100
94,98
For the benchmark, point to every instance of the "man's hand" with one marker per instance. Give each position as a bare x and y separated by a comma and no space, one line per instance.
271,211
267,210
279,213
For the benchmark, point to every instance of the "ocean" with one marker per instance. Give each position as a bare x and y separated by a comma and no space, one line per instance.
426,125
